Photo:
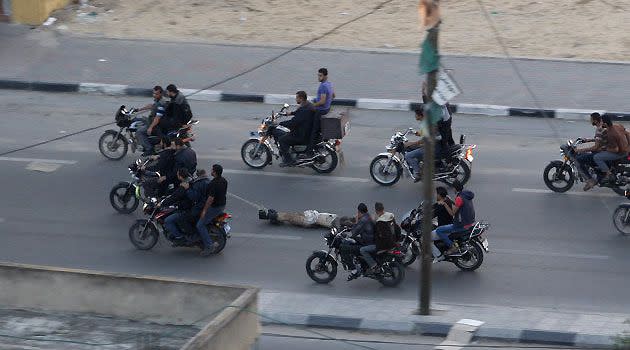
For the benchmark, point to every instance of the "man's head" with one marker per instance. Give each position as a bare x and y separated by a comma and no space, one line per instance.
300,97
419,114
362,209
379,208
607,120
182,174
179,143
172,91
217,170
157,92
441,192
201,172
322,75
596,119
458,186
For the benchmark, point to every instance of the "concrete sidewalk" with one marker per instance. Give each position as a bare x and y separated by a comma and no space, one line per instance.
514,324
42,55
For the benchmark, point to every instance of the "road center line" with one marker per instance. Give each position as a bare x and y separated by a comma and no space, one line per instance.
265,236
30,160
572,193
299,176
549,254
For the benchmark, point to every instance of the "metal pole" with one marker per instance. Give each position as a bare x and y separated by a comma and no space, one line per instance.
427,179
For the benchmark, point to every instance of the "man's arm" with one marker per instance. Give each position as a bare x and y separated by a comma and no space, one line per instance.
209,202
321,102
453,210
154,123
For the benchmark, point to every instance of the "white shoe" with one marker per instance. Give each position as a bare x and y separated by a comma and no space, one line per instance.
438,259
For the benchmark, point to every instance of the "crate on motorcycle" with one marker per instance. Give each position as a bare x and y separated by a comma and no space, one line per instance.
335,126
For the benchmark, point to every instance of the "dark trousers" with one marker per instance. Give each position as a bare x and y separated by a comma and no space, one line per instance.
286,141
585,160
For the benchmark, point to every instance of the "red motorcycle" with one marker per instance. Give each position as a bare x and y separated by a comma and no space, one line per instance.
144,234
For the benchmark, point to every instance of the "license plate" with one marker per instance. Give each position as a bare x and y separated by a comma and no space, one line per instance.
484,243
227,228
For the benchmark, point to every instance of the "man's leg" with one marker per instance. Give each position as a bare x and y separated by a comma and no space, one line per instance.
602,157
584,160
171,225
287,141
413,159
443,232
186,222
435,250
367,256
143,139
203,230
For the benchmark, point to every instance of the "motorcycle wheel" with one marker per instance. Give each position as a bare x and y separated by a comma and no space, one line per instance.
621,219
218,237
123,198
143,235
323,265
471,260
256,161
109,145
563,172
393,274
410,255
382,176
328,162
462,173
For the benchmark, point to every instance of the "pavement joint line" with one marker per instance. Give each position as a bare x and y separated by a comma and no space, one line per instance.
572,193
30,160
257,206
299,176
361,103
265,236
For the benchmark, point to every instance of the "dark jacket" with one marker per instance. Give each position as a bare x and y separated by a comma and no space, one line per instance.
183,158
178,111
440,212
301,124
466,213
198,193
363,231
385,232
165,163
178,198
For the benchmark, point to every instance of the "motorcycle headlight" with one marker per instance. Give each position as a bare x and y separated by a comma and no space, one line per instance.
469,155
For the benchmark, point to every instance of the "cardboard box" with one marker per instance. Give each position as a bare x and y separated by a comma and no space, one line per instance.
335,126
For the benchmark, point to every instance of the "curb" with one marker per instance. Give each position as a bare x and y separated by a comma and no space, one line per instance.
361,103
440,329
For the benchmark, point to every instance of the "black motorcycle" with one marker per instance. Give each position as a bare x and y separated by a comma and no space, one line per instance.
621,217
471,242
125,196
322,266
561,175
144,234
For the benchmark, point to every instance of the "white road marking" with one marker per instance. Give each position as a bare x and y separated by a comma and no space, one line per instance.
298,176
255,205
43,167
265,236
549,254
572,193
29,160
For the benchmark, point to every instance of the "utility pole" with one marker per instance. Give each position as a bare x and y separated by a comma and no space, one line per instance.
429,64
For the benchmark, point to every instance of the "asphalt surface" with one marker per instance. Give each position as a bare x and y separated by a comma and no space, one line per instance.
44,55
548,250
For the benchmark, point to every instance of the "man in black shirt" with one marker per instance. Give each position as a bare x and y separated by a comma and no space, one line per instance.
215,204
300,125
440,210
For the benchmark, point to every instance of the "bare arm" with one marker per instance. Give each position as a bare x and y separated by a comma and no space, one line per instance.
209,202
154,123
322,101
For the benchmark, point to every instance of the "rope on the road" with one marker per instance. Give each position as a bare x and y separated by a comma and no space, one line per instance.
55,139
277,57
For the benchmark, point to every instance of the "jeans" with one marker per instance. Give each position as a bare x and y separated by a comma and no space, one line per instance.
171,224
584,161
602,157
435,250
413,158
444,231
143,139
366,254
323,111
212,213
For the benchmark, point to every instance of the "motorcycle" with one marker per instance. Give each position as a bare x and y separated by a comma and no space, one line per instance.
387,168
322,266
471,242
561,175
114,145
259,150
621,216
144,234
126,195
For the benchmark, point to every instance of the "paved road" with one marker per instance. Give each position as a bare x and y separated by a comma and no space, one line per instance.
549,250
43,55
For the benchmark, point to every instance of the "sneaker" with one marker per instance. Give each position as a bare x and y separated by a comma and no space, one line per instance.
438,259
589,184
210,251
354,274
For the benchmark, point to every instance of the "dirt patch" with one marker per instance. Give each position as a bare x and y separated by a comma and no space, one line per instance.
590,29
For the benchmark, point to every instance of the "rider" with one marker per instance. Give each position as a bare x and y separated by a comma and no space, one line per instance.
184,157
585,155
443,207
463,213
384,233
325,92
179,198
444,124
178,109
158,108
363,234
195,197
214,205
300,125
415,156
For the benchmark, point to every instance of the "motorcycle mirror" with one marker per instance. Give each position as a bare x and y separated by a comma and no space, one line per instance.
462,139
286,105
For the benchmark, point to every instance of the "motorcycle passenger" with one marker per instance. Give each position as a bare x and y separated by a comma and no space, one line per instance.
184,157
616,148
414,157
443,207
214,205
178,109
443,125
363,234
179,198
384,233
463,213
195,196
325,92
585,155
158,108
300,125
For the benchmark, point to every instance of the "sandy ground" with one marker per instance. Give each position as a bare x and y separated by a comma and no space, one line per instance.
589,29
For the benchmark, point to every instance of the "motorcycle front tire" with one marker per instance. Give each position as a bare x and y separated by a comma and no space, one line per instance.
129,193
556,164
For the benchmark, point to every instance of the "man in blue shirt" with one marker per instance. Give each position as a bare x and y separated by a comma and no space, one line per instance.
325,93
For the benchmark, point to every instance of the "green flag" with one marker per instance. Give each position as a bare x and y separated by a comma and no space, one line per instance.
429,57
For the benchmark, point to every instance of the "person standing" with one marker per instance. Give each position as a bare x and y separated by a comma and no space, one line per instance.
325,93
215,204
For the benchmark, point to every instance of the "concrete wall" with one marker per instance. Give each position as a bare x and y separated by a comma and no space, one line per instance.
226,314
34,12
